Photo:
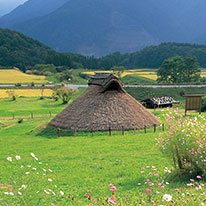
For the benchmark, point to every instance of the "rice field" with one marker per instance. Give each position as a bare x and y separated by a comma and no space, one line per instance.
26,92
146,73
11,76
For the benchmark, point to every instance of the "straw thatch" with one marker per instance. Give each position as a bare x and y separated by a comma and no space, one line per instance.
103,105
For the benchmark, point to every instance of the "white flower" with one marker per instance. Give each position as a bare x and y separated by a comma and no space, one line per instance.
40,163
55,186
167,197
61,193
46,192
9,159
50,180
28,165
18,157
49,170
32,154
34,168
21,166
36,158
44,170
11,193
167,183
27,173
19,193
23,186
6,193
44,174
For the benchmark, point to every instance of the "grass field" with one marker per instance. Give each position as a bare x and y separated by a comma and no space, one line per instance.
76,165
11,76
26,92
24,106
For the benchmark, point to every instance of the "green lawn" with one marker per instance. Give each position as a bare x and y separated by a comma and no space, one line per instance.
24,106
80,164
83,163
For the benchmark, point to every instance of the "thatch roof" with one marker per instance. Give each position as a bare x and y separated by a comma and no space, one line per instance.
103,105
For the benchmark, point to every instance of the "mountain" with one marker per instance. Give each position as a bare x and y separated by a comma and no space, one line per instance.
16,49
29,10
100,27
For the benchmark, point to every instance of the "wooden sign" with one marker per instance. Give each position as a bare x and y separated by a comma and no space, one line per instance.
193,102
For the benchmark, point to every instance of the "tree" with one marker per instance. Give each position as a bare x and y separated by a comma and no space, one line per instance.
65,94
118,70
178,70
12,94
65,76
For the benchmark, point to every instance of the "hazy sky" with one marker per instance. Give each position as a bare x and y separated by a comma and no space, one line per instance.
7,5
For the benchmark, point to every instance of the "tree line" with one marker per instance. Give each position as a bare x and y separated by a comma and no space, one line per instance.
16,49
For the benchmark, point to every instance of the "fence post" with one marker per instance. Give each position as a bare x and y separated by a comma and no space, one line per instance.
75,132
110,132
50,114
92,131
163,127
32,115
122,130
155,128
58,130
145,129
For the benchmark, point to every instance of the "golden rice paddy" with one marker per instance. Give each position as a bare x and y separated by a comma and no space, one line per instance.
11,76
26,92
141,72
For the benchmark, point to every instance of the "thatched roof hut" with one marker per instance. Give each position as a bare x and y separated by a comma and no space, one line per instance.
103,105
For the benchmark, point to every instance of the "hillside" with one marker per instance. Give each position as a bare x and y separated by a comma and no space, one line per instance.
97,28
29,10
17,49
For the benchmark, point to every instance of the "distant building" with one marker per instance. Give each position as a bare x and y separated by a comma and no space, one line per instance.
15,68
28,71
155,102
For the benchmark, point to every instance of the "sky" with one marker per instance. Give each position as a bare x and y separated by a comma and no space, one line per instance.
7,5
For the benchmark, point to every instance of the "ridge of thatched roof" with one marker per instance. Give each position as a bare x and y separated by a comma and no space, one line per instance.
106,81
103,107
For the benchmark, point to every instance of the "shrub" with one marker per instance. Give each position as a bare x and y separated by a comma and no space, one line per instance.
18,84
184,143
20,121
12,94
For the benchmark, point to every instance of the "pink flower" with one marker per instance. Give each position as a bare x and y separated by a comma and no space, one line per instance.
199,177
12,191
113,188
95,201
162,187
87,194
149,191
111,185
192,180
143,194
52,204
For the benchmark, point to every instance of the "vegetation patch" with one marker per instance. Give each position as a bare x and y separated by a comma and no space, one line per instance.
11,76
